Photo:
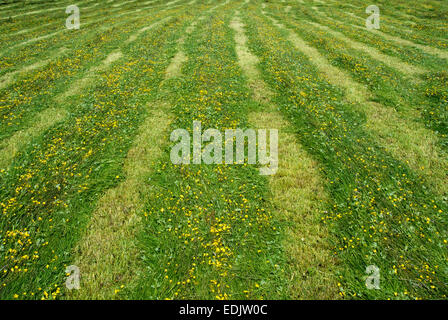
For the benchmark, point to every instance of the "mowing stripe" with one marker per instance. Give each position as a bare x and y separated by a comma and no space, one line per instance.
43,121
296,189
352,159
174,69
122,4
408,141
421,37
84,18
8,78
171,3
430,50
207,234
116,121
134,37
89,77
47,120
36,6
110,237
35,39
390,17
388,86
19,126
42,10
427,49
107,255
374,53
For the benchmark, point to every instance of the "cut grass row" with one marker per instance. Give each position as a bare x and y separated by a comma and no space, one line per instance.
423,34
296,190
30,8
107,254
38,46
360,33
16,21
208,229
388,87
37,90
217,231
49,192
381,214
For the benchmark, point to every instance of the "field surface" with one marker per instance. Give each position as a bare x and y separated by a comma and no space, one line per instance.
87,183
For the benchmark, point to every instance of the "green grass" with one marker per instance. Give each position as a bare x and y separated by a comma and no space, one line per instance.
218,231
428,33
391,88
36,90
380,212
209,232
435,112
49,191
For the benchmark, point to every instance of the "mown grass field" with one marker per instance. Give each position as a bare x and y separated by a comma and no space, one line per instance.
86,177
